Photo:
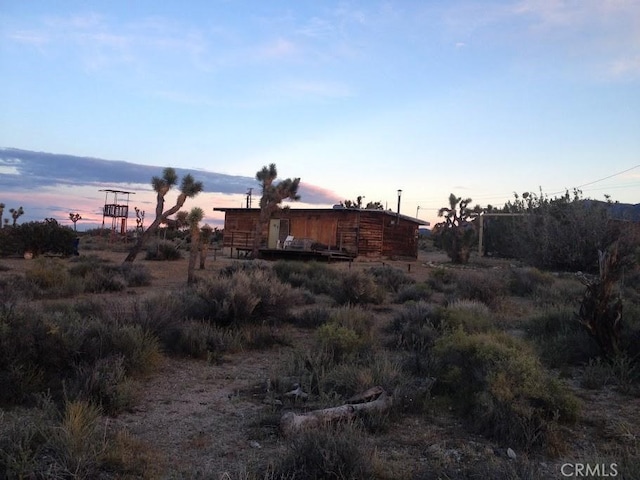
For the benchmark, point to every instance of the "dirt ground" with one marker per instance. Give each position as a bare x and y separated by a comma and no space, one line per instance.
208,420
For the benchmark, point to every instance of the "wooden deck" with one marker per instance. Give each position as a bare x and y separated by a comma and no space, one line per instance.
306,255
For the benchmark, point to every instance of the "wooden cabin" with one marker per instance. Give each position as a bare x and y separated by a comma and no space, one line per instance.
356,232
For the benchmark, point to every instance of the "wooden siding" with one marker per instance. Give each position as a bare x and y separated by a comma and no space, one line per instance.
370,233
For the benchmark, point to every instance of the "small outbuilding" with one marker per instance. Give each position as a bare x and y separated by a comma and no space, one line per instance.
330,231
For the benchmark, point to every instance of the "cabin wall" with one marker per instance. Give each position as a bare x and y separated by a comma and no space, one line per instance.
369,234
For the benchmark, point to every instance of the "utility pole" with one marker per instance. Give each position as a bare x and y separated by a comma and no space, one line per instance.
249,192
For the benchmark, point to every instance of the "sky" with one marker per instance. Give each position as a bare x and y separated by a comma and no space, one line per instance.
357,98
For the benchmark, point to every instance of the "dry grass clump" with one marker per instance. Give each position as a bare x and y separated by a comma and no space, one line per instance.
327,453
70,442
499,386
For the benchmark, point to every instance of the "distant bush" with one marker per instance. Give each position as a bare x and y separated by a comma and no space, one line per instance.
316,277
484,286
390,278
442,279
162,250
312,317
417,326
347,334
413,293
470,315
524,281
357,288
44,237
501,388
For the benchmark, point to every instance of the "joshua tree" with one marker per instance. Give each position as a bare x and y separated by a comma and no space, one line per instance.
15,214
193,219
272,196
189,188
139,220
457,233
601,307
74,217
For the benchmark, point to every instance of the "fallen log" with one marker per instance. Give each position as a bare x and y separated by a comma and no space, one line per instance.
292,422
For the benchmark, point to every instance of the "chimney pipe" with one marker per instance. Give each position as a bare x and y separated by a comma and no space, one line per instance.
398,214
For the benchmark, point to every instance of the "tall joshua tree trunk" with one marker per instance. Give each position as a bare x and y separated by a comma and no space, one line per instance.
601,308
193,219
206,233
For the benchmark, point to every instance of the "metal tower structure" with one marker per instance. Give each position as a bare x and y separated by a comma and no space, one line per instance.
116,207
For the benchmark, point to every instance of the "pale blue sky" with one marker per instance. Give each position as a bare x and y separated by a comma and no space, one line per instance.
357,97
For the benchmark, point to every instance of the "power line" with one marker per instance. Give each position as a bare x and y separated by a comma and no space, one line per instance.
601,179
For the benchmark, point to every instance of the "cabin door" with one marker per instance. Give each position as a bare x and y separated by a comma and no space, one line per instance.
278,231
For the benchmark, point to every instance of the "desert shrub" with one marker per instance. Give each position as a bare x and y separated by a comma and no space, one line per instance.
23,435
342,342
562,293
357,288
483,286
560,338
200,339
45,237
60,351
244,297
246,267
312,317
52,278
15,289
390,278
32,356
562,233
630,329
416,327
502,390
135,274
77,443
103,276
596,374
350,378
105,383
101,281
162,250
9,242
442,279
413,293
470,315
316,277
326,453
524,281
